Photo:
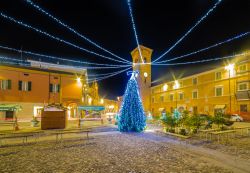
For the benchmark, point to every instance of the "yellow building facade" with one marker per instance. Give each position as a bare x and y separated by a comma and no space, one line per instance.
226,88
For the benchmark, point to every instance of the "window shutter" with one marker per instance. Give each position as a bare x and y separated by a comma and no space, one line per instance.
58,88
29,86
20,85
50,87
9,84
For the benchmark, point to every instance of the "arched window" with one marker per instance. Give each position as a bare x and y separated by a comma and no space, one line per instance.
145,60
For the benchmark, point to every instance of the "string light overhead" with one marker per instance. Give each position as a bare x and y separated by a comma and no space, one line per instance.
189,31
64,66
57,38
111,75
204,60
57,58
134,28
207,48
73,30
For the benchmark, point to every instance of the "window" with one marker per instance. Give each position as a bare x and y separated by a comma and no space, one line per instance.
5,84
195,94
195,81
242,68
181,96
153,100
54,88
243,108
145,60
171,97
181,84
162,98
242,86
24,86
218,75
218,91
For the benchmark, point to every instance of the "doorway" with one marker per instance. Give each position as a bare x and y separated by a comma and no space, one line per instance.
9,115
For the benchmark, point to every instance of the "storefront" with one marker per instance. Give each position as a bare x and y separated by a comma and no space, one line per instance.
9,111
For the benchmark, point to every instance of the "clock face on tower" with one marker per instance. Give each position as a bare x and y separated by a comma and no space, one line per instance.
145,74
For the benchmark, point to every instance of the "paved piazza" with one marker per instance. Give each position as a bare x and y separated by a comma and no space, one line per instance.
114,152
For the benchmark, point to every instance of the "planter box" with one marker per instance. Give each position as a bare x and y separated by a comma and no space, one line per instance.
177,135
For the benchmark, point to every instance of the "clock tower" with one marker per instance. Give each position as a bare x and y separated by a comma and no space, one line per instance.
144,76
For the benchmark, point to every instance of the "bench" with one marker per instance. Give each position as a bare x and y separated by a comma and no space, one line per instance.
89,119
60,133
242,129
23,135
207,131
219,133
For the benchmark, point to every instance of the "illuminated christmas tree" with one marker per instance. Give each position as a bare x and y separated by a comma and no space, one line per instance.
132,117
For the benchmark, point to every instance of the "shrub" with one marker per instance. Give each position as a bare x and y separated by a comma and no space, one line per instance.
219,119
194,122
169,121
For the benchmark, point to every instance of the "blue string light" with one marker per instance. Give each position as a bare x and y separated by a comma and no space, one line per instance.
108,76
202,61
207,48
73,30
65,66
95,75
22,63
57,38
189,31
55,58
134,28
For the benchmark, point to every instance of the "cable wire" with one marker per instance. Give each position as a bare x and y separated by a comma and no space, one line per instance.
56,38
73,30
189,31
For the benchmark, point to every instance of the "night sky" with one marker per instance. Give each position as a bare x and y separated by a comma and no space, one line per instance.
159,24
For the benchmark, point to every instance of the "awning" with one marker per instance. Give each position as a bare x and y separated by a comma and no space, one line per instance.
219,106
91,108
161,109
10,107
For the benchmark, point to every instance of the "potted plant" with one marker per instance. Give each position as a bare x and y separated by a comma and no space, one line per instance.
34,122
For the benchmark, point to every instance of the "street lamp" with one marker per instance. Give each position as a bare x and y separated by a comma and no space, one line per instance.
230,69
165,87
90,100
101,101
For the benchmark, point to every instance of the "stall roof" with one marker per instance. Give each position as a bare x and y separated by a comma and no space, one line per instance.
91,108
10,107
219,106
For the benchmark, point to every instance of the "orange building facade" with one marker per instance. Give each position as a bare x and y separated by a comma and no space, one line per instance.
32,88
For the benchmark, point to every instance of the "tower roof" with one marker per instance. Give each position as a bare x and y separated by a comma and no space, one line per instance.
142,48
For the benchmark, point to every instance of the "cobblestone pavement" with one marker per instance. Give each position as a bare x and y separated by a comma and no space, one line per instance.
113,152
